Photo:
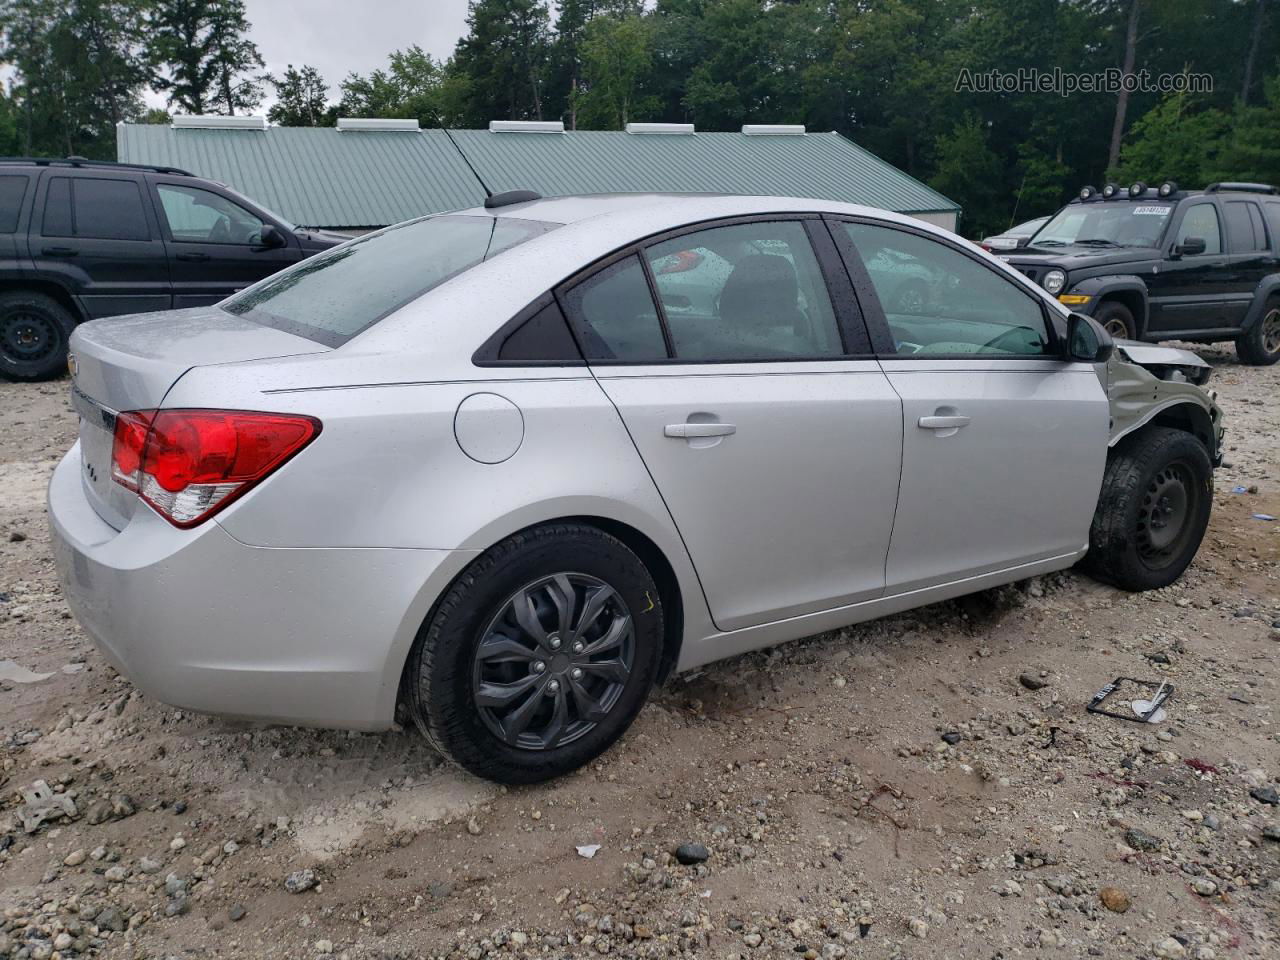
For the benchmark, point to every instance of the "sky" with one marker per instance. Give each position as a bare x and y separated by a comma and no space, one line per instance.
339,36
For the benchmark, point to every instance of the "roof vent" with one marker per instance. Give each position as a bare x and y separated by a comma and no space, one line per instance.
368,124
773,129
211,122
672,128
526,126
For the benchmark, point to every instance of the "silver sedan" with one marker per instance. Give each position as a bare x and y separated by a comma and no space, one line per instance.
499,472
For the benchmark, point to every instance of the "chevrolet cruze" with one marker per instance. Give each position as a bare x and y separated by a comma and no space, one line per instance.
498,472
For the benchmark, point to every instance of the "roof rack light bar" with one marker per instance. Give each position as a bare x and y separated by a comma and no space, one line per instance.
774,129
683,129
185,121
526,126
369,124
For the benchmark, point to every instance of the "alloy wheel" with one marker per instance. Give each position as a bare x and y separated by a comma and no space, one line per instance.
554,661
1271,332
1116,327
1164,519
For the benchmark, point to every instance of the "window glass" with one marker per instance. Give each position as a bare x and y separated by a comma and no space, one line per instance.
12,190
1108,223
108,209
1259,230
334,295
939,301
615,315
1273,218
1201,220
201,216
750,291
57,209
1240,235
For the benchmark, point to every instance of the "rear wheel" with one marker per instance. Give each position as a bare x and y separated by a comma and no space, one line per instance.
34,330
1260,347
1117,320
539,656
1156,496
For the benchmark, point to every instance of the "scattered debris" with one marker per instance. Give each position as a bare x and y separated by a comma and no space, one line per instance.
40,804
1150,711
300,881
1114,899
16,673
588,850
1266,795
1034,681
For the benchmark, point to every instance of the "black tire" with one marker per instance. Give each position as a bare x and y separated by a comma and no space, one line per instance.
1152,479
1117,320
34,330
1260,347
445,671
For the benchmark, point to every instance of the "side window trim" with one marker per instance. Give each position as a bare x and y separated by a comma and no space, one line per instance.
873,310
637,249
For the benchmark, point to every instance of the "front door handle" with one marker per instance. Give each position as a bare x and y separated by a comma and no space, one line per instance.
687,431
193,257
944,423
59,251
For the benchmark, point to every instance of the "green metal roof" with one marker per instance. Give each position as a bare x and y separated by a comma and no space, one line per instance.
322,177
316,176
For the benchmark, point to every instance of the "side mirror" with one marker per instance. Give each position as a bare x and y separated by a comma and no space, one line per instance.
271,238
1190,247
1087,341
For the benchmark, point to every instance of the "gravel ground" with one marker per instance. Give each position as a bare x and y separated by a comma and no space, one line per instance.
925,786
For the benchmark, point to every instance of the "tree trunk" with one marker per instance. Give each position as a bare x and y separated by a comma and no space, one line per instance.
1258,14
1122,98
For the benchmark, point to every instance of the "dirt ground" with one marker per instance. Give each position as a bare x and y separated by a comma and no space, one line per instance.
891,790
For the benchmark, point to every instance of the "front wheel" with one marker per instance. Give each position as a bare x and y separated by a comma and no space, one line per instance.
34,330
539,656
1260,347
1117,320
1157,492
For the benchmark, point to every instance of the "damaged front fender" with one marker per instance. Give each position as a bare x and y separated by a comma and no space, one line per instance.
1147,383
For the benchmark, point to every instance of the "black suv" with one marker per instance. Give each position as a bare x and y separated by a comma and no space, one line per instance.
1167,264
81,239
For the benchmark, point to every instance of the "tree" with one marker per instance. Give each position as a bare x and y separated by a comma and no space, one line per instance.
78,69
617,53
201,57
413,85
1177,140
969,169
302,99
503,58
1251,152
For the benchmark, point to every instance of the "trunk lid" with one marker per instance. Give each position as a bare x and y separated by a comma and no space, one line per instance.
129,363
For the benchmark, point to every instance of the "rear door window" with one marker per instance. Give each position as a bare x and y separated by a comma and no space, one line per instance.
12,191
334,295
1243,235
94,208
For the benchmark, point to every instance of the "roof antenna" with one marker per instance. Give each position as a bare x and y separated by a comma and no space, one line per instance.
465,159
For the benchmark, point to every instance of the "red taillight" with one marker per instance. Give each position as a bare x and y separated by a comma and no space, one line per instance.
189,464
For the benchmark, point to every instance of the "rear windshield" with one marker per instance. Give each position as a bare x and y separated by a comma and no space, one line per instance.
334,295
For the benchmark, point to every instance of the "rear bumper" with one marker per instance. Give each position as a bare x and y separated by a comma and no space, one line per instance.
202,621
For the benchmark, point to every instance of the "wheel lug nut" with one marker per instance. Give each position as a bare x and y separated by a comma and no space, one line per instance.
579,647
576,673
539,666
554,643
553,685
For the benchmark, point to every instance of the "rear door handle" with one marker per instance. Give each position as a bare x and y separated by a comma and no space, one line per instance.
943,423
193,257
60,251
685,431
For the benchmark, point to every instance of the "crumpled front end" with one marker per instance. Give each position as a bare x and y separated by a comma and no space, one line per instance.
1151,383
